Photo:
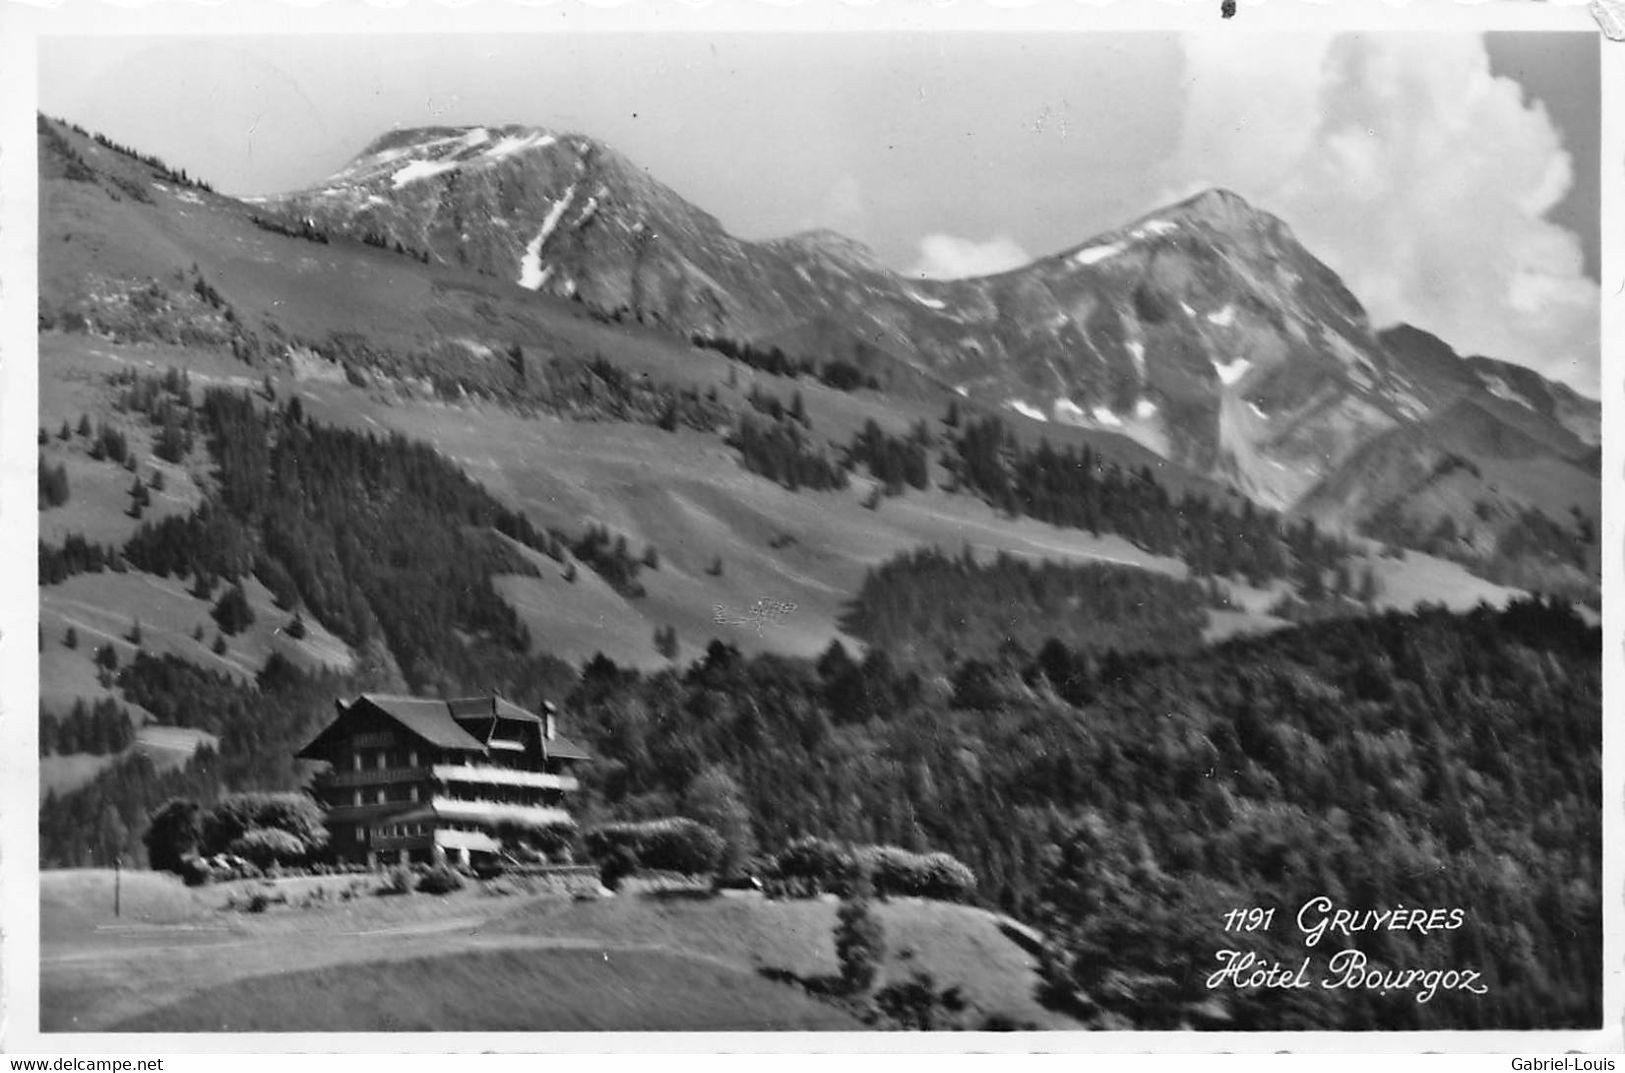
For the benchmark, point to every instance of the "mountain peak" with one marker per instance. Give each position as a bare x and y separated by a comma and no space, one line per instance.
1222,209
835,245
433,137
405,155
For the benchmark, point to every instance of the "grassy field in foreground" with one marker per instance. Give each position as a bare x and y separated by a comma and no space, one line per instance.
178,959
558,990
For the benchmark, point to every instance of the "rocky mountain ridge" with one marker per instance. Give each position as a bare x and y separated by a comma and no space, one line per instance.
1203,330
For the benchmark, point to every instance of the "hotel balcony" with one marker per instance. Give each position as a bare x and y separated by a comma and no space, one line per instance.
373,776
365,813
489,775
485,813
473,774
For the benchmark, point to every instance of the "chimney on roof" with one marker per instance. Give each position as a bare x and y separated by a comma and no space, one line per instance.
550,720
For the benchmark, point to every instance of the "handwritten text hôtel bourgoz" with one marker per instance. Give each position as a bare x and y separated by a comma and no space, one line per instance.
1320,919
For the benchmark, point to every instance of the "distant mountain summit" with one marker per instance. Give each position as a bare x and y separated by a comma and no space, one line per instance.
1203,330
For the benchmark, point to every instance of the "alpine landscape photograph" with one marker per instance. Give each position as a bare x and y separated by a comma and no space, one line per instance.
812,532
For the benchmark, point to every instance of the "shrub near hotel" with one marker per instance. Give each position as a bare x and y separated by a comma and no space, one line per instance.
823,865
262,828
668,845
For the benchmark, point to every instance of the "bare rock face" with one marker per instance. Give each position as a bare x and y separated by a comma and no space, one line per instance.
1204,330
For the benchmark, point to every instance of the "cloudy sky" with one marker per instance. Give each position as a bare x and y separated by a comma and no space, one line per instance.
1451,179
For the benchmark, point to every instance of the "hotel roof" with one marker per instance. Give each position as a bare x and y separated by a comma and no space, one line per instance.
437,722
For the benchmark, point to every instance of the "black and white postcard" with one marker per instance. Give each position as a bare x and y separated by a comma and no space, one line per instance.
564,520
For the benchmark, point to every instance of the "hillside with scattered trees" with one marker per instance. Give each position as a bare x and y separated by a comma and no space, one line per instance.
1104,781
1073,487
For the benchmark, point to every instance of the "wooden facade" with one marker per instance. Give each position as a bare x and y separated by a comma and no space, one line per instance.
409,779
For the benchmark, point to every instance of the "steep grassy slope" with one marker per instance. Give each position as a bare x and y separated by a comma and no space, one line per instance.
683,492
728,540
730,543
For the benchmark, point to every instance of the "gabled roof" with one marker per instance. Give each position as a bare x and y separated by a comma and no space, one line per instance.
429,719
436,722
499,707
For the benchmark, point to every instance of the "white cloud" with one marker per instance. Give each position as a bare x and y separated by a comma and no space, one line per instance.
951,257
844,208
1412,170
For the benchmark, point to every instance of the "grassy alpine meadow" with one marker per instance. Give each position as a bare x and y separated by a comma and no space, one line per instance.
182,959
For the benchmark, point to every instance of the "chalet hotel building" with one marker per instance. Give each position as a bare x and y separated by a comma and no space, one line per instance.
416,780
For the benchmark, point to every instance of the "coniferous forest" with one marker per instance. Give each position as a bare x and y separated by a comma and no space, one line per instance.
1113,784
935,609
1124,806
1073,487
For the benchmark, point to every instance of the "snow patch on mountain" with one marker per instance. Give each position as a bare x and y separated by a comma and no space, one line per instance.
1501,390
531,275
1145,409
1231,371
1136,350
927,302
1068,412
1095,254
1223,317
1410,405
405,164
1258,411
518,143
1153,228
421,169
1025,410
1105,416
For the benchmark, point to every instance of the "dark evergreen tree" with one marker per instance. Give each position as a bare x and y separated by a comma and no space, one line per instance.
232,612
860,942
174,833
53,485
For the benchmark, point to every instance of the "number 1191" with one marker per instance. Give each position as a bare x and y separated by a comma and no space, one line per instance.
1254,919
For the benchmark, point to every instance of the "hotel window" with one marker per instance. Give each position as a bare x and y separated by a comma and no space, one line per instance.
358,759
383,758
356,798
412,758
360,834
